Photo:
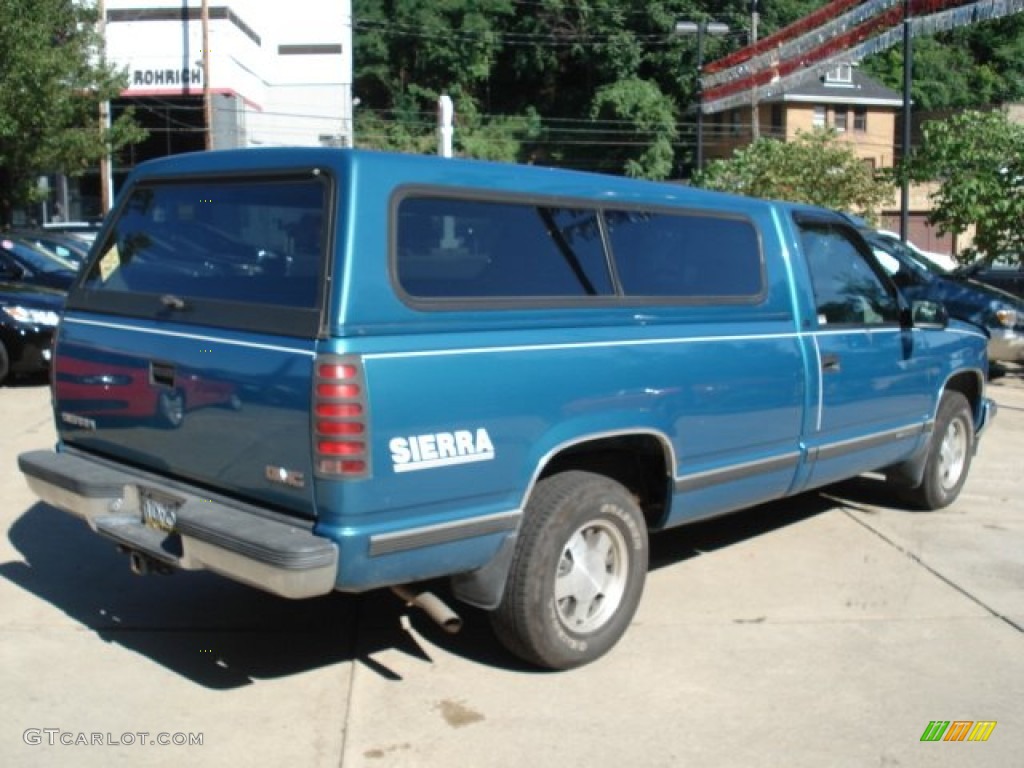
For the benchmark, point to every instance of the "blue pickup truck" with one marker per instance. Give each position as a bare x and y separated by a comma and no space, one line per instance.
315,369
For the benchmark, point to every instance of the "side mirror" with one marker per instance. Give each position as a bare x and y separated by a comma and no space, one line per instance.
929,314
11,271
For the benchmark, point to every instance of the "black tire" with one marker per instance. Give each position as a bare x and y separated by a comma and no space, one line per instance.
950,451
561,609
5,364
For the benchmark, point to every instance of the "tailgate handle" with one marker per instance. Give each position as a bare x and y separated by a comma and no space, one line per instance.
162,373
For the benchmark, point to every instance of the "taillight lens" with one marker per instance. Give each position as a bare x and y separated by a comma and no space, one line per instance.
340,430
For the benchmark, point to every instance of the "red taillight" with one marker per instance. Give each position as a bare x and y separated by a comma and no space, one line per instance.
339,418
337,371
326,427
337,390
341,447
340,410
332,467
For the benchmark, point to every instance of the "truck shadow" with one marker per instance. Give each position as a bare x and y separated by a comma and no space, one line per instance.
223,635
220,634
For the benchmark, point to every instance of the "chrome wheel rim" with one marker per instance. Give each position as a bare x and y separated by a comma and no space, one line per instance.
591,577
952,454
173,406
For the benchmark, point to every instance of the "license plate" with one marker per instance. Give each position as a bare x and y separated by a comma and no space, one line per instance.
159,511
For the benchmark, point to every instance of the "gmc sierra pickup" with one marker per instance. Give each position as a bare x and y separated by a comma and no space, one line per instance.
316,369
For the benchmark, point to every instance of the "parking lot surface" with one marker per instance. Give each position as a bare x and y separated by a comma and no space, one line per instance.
829,629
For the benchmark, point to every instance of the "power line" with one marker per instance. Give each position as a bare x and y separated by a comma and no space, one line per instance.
526,39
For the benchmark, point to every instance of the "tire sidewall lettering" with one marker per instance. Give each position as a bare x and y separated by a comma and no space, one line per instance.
614,510
577,646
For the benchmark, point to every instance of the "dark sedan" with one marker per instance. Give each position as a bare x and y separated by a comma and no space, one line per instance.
23,262
1003,273
28,317
67,247
1001,314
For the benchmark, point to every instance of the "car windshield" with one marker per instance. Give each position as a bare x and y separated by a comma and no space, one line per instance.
36,258
904,254
916,254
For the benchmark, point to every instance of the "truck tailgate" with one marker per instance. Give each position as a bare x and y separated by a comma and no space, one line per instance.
224,410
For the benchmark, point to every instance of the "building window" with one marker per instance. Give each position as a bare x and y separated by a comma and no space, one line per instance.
839,119
818,121
326,49
841,74
778,120
860,119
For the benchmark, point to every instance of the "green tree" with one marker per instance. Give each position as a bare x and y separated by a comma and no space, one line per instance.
599,84
408,52
973,66
642,125
977,158
52,80
815,168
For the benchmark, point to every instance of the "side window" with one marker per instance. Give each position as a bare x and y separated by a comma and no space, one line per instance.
847,290
686,255
451,248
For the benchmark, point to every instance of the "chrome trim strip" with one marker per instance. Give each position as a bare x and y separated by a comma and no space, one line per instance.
699,480
843,447
821,385
196,336
577,345
443,533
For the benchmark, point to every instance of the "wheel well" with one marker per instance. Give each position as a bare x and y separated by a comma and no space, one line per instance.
969,385
638,462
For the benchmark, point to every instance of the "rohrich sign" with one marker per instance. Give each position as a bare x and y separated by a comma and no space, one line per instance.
174,78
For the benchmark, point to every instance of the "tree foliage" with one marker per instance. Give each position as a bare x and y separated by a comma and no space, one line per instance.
978,160
604,84
815,168
597,84
973,66
52,80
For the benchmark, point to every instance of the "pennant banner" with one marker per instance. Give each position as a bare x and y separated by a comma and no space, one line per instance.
869,29
799,46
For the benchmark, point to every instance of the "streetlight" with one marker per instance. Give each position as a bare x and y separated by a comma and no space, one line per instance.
701,28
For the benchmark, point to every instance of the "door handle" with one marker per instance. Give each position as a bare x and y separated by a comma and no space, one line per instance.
830,363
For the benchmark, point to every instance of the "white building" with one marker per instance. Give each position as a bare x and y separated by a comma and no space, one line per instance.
280,75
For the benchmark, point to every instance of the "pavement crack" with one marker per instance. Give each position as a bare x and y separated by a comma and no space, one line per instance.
848,511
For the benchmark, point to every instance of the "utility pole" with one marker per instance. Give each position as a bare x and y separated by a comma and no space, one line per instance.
207,105
700,29
106,164
755,122
908,65
445,121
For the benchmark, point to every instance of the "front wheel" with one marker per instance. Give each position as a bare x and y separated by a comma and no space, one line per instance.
577,574
949,454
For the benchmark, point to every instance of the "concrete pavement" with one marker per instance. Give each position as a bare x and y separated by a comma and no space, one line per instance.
824,630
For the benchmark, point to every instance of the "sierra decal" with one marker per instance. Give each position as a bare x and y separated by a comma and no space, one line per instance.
440,449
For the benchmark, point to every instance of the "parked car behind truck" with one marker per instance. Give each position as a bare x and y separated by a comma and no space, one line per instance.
999,313
509,376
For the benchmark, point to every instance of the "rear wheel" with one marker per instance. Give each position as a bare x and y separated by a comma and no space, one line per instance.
577,574
949,454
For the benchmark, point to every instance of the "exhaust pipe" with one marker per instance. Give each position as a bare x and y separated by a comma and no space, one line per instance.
139,563
143,565
431,605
